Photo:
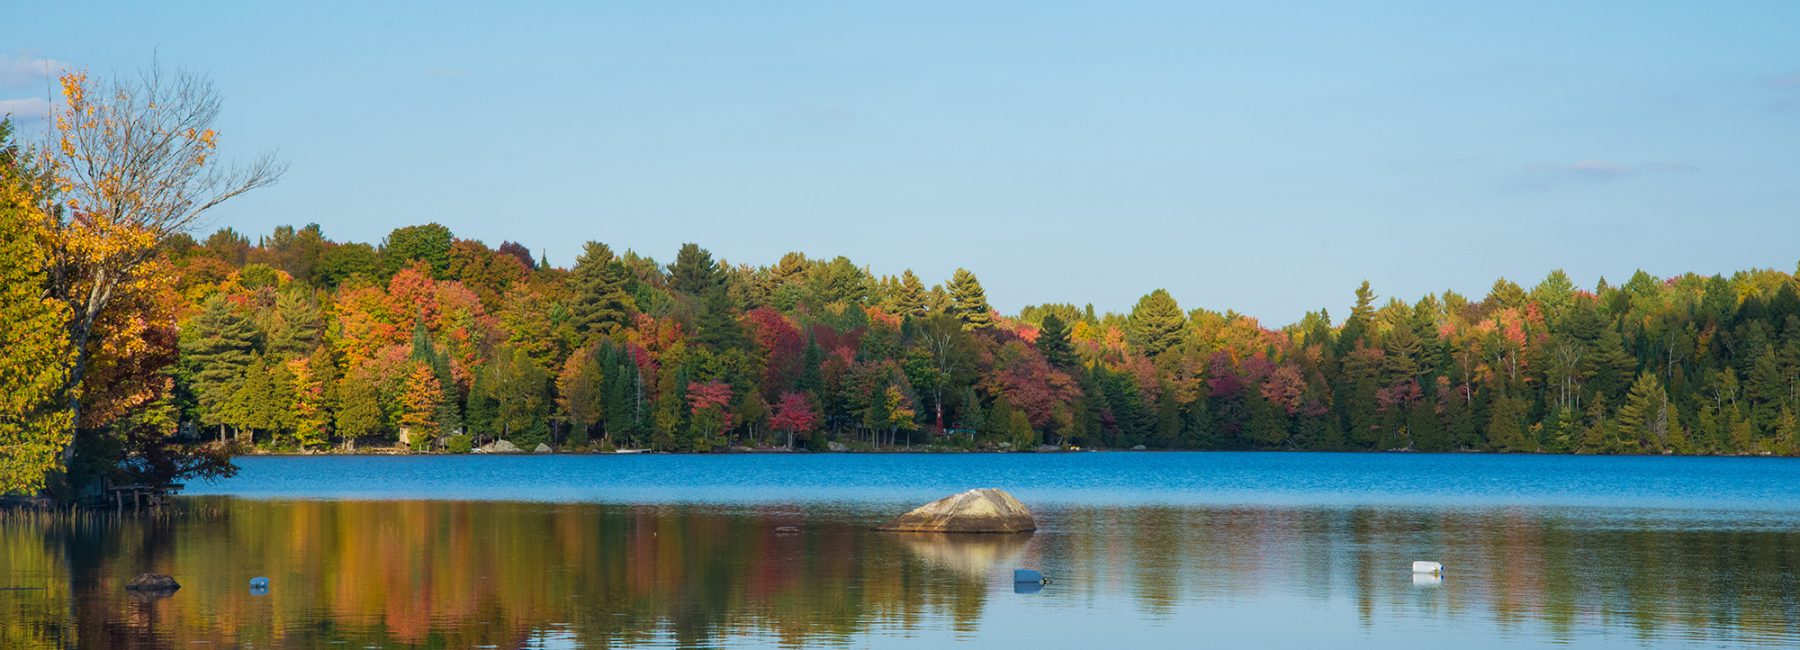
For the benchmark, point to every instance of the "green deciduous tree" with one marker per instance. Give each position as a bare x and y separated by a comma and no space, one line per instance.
580,389
34,347
510,399
429,243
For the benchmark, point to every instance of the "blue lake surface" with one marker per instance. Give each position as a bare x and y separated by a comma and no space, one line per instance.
1277,550
1115,478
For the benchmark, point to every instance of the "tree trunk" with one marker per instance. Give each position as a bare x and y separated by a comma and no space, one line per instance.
81,330
939,406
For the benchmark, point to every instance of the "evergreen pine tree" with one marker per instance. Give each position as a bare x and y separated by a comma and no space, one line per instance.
909,297
1053,342
968,302
1644,418
1356,327
1267,428
1155,323
1506,425
1168,420
217,348
600,305
694,272
298,325
1608,365
1423,430
1459,422
717,325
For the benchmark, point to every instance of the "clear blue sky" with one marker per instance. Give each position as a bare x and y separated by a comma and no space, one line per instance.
1257,156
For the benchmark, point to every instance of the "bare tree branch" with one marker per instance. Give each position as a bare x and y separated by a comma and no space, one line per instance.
135,161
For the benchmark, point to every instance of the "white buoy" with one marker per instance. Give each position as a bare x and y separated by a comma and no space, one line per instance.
1428,567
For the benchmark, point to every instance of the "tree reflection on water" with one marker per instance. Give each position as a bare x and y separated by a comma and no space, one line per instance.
462,574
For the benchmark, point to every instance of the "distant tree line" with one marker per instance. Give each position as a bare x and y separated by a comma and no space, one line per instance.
298,342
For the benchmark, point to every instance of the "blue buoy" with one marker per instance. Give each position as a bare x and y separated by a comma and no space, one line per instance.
1027,575
259,586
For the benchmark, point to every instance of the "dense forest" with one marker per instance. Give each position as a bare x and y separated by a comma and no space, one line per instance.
296,342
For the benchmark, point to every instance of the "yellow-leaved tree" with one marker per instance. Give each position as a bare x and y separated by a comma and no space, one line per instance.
133,161
34,348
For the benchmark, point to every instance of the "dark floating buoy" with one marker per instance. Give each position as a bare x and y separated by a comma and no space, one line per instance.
259,586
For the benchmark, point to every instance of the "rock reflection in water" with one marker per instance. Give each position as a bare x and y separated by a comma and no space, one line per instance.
975,556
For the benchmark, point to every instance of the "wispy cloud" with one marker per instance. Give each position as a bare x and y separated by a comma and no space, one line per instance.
1592,171
1784,93
27,108
21,71
447,72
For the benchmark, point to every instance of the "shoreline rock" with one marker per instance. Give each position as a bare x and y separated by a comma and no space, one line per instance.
982,510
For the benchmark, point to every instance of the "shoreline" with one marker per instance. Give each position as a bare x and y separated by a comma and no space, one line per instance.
803,452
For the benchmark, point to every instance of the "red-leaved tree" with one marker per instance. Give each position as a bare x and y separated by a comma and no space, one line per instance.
794,414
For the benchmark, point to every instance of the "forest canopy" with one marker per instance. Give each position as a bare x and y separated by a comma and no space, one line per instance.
296,342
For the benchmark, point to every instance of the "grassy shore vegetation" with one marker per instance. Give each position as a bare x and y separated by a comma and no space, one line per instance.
126,332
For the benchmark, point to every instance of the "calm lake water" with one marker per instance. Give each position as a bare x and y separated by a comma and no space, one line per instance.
1145,550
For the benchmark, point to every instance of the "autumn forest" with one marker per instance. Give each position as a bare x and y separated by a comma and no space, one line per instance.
295,342
136,349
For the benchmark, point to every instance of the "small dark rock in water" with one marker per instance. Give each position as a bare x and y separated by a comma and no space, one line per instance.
152,582
787,530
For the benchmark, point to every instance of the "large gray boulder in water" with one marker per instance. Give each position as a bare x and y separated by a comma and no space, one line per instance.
984,510
505,447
